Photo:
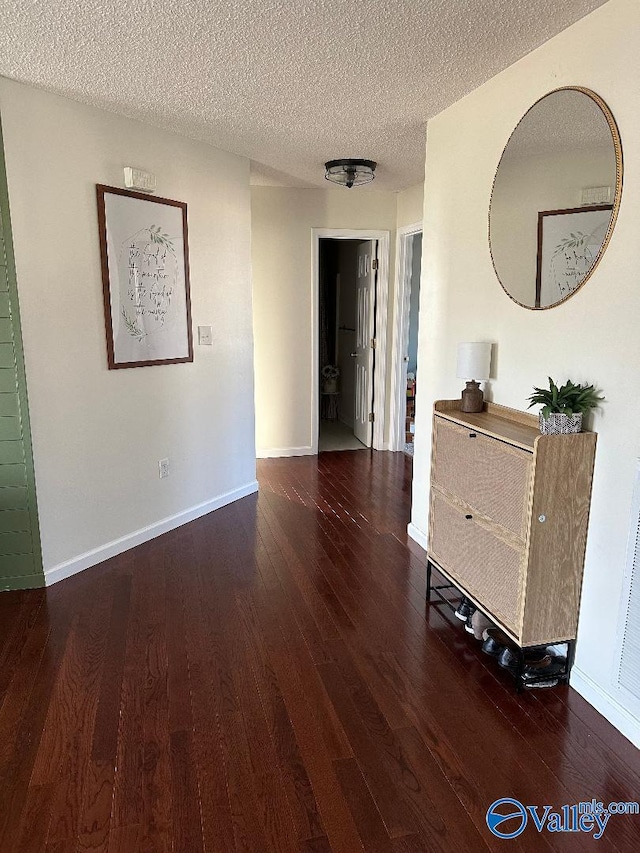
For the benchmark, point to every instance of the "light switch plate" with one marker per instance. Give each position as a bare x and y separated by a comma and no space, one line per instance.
205,336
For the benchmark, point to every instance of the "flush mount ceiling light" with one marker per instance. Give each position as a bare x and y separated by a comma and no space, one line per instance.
350,173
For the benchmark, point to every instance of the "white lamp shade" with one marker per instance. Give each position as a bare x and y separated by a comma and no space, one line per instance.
474,361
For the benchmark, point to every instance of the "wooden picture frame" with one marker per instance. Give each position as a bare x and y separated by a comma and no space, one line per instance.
570,243
145,277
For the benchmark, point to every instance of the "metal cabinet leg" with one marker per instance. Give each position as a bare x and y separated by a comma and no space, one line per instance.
520,671
571,654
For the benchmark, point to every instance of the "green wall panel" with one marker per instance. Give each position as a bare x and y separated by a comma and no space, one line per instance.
8,380
25,582
20,554
15,543
10,428
13,497
11,452
6,331
7,358
13,475
9,405
14,521
18,565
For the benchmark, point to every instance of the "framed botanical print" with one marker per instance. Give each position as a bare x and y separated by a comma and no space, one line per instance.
145,278
569,242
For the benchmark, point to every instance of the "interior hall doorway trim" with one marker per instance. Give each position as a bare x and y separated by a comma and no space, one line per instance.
400,323
381,303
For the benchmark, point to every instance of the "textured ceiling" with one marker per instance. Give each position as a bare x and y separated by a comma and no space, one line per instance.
287,84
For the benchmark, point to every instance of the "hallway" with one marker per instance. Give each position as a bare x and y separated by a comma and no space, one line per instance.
266,678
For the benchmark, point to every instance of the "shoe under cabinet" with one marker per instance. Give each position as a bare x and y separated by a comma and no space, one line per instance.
509,511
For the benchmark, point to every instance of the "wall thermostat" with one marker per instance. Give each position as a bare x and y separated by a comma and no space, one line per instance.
137,179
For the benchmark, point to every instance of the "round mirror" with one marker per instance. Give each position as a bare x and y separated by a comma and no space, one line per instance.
555,197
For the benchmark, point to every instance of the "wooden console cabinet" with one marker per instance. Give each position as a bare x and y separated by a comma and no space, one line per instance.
508,517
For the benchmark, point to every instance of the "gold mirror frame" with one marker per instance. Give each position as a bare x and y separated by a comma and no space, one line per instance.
617,144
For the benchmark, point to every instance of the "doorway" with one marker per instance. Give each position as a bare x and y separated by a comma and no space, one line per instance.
347,299
405,378
350,287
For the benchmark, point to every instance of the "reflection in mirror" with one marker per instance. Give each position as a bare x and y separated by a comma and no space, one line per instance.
555,197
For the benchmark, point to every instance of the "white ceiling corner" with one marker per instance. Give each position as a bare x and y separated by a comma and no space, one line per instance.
287,84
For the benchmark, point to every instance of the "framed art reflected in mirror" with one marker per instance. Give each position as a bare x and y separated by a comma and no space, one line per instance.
569,241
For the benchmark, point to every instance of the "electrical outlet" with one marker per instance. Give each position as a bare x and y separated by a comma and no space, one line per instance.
163,468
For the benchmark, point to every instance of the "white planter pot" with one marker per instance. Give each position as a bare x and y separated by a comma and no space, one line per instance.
558,424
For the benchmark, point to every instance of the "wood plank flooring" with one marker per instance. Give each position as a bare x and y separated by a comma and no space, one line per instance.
268,678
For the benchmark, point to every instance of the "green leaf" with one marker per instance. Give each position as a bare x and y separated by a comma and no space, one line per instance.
568,399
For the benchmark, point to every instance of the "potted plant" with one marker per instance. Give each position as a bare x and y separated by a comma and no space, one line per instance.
330,373
562,408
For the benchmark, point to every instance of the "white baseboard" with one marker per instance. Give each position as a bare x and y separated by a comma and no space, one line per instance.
276,452
607,705
417,535
124,543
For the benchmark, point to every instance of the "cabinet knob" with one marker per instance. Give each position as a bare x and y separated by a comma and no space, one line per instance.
542,519
468,516
472,435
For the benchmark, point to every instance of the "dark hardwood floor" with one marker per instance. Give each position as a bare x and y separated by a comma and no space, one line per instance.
268,678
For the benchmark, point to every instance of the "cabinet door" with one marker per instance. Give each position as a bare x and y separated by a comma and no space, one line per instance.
489,475
485,565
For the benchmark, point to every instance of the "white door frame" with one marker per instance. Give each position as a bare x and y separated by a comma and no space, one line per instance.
398,408
382,302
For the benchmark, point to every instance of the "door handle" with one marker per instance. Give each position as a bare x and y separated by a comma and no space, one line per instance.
354,355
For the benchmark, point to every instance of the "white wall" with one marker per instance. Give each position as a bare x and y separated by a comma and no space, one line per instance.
593,336
282,220
282,223
98,434
410,204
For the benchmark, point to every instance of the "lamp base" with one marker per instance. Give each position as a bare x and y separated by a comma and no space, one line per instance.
472,398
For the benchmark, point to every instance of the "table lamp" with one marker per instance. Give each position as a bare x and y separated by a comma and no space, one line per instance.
474,360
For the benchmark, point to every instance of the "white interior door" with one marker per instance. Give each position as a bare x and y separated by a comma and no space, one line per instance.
363,354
